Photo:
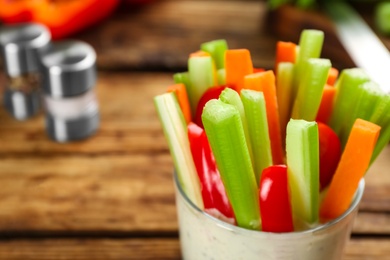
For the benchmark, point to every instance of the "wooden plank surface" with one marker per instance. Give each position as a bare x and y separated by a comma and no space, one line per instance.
145,248
103,184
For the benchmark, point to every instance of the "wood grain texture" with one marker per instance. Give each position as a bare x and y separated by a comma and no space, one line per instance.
161,36
137,249
120,180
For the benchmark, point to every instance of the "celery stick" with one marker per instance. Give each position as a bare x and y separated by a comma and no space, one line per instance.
182,77
310,89
303,171
284,81
175,130
310,46
346,96
202,75
217,50
381,117
370,95
221,74
229,96
225,133
255,111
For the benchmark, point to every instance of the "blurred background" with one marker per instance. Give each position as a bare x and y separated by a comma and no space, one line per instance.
111,196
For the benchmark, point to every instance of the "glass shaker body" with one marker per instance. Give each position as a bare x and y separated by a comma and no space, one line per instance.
69,78
20,46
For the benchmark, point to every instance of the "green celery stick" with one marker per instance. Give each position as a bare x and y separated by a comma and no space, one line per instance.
364,107
202,75
302,147
255,111
346,96
230,96
182,77
284,85
310,89
221,74
217,49
310,46
175,130
225,133
381,117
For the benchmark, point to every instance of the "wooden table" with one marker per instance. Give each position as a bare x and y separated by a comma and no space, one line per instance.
112,196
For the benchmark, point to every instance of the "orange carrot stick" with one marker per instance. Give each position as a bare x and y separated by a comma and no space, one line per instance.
325,109
265,82
182,97
332,77
285,52
351,169
238,63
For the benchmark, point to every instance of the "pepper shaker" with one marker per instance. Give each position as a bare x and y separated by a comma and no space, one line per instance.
68,81
20,46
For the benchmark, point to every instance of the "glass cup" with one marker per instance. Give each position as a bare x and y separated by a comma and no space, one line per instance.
205,237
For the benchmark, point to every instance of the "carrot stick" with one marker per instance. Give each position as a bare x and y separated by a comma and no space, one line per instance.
265,82
326,105
352,167
238,64
285,52
332,77
182,97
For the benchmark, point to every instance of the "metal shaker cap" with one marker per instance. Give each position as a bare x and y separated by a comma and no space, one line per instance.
20,45
68,69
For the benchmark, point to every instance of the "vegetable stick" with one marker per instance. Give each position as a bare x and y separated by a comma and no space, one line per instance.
302,146
175,130
381,117
369,95
221,74
326,106
213,192
284,85
181,94
265,82
182,77
255,111
332,77
285,52
310,46
238,64
230,96
217,49
227,140
310,89
346,96
202,75
274,197
352,167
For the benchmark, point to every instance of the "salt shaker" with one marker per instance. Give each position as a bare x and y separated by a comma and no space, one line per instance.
68,83
20,46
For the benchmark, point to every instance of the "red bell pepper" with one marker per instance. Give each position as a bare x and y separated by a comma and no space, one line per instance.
61,17
211,93
330,153
213,192
274,199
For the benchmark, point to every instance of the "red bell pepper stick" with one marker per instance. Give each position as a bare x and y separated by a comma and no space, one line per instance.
213,192
61,17
274,198
211,93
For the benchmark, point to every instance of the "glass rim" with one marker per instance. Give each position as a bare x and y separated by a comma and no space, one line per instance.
354,204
